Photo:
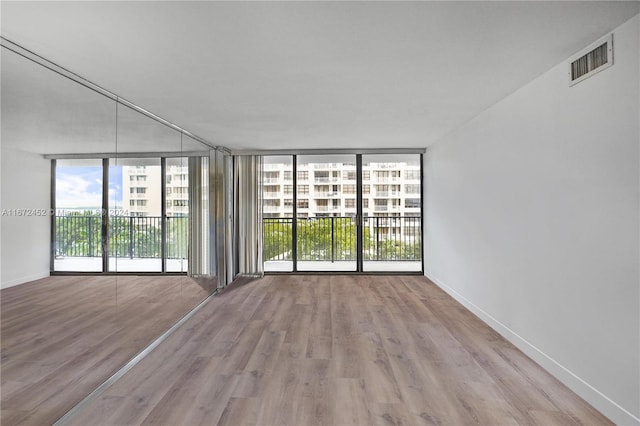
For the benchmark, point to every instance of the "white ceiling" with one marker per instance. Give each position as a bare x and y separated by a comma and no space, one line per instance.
289,75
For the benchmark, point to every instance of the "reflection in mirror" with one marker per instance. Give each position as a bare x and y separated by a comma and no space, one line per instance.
96,259
200,264
135,215
177,214
77,244
45,113
139,133
58,331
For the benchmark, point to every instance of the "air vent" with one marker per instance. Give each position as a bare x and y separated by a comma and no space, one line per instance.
592,60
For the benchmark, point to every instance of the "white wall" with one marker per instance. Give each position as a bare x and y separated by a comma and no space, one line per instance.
25,239
532,221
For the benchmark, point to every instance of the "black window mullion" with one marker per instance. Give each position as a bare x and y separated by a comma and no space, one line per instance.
294,219
105,215
53,215
421,213
359,233
163,213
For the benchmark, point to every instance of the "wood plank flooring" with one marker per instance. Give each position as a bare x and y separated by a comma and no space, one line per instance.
336,350
64,335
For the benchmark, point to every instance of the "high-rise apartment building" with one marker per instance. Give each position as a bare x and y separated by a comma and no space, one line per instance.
141,190
391,199
329,189
177,197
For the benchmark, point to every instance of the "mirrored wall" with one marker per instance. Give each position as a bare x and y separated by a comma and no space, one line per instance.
106,240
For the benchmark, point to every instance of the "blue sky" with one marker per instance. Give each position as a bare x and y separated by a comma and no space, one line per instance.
81,187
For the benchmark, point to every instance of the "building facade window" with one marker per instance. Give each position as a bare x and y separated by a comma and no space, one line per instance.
412,174
412,189
412,203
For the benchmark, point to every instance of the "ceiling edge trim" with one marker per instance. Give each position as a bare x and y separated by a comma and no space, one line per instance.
365,151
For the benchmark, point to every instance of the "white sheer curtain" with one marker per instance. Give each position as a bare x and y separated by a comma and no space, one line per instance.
198,217
248,203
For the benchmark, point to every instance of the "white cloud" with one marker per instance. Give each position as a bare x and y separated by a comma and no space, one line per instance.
74,191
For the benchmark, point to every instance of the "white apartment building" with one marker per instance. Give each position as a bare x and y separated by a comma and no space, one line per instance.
390,189
177,190
141,190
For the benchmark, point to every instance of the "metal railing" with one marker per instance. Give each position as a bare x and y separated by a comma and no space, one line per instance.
392,238
277,238
326,238
129,236
385,238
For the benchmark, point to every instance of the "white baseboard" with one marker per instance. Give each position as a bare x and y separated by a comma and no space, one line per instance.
597,399
22,280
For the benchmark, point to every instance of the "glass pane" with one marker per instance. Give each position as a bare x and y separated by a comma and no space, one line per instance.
78,216
177,214
326,219
392,199
135,215
277,213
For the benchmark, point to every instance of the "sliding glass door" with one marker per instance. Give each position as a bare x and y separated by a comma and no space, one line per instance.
135,215
348,213
326,223
77,216
391,212
177,212
277,213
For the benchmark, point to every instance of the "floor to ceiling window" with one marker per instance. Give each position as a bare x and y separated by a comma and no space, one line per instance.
176,214
277,213
135,215
391,211
78,216
138,222
326,229
350,213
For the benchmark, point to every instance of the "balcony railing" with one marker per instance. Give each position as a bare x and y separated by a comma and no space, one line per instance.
388,238
392,238
129,236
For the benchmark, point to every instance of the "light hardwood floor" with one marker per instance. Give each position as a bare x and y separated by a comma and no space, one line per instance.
62,336
337,350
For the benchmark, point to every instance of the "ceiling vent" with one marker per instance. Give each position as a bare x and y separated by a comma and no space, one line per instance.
595,58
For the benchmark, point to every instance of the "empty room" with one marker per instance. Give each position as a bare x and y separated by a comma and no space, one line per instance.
320,213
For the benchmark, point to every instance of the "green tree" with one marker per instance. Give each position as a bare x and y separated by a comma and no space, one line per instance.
78,234
327,238
320,238
177,237
276,242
